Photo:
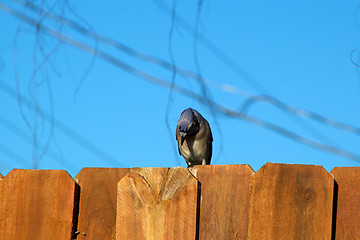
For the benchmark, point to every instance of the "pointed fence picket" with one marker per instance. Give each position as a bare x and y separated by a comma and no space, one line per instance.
97,213
224,205
37,204
291,202
348,202
156,204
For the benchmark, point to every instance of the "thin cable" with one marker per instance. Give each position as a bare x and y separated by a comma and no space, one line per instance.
211,47
86,144
228,61
13,155
23,135
169,65
173,79
158,81
299,112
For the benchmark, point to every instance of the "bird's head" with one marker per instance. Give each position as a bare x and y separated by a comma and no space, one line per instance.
188,123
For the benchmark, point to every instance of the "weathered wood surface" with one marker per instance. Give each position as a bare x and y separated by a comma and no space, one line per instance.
291,202
224,205
348,202
37,204
97,213
157,204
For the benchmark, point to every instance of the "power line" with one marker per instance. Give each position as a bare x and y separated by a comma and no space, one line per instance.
296,137
173,79
108,41
13,155
158,81
211,47
228,61
89,146
300,112
22,134
173,68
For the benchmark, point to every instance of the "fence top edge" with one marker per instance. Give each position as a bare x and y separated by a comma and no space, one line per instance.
345,172
100,168
16,170
90,169
145,169
271,164
344,168
247,166
144,173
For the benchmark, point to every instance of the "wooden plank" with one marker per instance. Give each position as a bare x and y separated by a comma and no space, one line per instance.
348,202
224,205
157,204
37,204
97,213
291,202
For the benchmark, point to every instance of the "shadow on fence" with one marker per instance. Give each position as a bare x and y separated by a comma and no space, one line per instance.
280,201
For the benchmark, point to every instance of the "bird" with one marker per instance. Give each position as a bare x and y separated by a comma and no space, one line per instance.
194,138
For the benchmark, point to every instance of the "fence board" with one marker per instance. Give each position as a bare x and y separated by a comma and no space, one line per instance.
156,204
291,202
37,204
348,202
224,206
97,213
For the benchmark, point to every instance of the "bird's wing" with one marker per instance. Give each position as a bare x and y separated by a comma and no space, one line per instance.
177,136
209,142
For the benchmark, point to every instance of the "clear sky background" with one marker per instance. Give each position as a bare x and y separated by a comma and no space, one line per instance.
68,100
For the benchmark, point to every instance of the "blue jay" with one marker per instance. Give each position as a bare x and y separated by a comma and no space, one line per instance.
194,138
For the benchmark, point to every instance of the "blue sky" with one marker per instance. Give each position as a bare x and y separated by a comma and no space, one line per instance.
295,52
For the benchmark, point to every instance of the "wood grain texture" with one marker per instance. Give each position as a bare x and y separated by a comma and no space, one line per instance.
224,205
291,202
37,204
97,211
348,202
157,204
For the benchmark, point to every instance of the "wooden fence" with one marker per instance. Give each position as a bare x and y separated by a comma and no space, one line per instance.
280,201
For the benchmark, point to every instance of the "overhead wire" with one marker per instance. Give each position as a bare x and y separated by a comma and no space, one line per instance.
204,88
211,47
228,61
299,112
23,135
173,80
82,141
13,155
158,81
172,67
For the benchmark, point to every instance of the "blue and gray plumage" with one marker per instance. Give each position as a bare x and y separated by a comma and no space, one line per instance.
194,138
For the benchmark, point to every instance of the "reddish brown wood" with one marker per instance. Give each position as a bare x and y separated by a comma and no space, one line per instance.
225,196
291,202
37,204
157,204
97,215
348,202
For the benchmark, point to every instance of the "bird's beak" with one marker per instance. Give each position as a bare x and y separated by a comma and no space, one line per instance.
182,136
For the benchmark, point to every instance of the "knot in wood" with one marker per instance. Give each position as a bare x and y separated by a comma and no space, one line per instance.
309,195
